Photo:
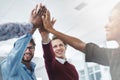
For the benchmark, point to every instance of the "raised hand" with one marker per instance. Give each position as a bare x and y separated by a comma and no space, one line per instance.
36,15
47,22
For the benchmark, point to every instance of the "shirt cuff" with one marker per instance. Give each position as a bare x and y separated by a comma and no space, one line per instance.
46,42
31,25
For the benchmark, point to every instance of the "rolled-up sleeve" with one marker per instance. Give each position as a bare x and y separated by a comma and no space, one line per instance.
14,30
96,54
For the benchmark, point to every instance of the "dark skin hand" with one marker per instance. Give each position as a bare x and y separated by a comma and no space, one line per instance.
36,15
72,41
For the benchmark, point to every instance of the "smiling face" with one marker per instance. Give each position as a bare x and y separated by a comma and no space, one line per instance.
59,48
29,53
113,26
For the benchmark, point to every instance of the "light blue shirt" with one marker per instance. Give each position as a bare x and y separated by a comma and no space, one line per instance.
14,30
12,68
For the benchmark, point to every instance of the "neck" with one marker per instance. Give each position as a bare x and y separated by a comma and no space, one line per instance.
27,64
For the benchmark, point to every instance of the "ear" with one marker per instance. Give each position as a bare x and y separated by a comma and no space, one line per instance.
65,47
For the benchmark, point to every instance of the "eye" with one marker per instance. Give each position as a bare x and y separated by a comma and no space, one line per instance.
55,46
30,47
61,45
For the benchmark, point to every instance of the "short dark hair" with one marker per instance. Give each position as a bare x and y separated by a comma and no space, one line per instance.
55,37
33,42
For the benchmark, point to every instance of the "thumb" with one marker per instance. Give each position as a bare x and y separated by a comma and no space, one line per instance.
53,21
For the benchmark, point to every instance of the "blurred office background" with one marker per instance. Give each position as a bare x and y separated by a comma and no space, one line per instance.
84,19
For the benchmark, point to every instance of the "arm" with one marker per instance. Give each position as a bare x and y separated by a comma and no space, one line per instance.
99,55
12,30
72,41
49,56
46,45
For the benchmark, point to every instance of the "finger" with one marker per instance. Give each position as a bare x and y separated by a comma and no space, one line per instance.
44,9
33,13
41,5
43,19
53,21
36,9
48,15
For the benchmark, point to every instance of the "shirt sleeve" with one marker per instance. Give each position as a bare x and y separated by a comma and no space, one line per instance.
14,30
98,55
12,62
49,58
48,53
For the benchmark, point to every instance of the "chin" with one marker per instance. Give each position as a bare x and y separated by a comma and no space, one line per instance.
24,60
108,38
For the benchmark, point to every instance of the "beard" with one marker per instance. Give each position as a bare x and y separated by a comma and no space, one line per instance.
24,60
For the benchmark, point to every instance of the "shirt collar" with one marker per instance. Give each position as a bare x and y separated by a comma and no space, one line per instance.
33,65
62,61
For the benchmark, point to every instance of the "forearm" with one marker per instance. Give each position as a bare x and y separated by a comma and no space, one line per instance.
12,30
44,36
72,41
48,53
45,39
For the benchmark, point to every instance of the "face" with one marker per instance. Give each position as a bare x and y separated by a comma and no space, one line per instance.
59,48
113,26
29,53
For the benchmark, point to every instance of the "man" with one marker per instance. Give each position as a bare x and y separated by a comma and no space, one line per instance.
17,65
104,56
56,63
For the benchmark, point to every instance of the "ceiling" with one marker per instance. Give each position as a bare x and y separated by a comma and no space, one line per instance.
84,19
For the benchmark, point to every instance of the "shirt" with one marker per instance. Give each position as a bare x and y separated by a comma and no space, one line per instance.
12,68
105,56
62,61
14,30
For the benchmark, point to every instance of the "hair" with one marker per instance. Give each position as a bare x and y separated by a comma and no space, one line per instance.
117,6
55,37
33,42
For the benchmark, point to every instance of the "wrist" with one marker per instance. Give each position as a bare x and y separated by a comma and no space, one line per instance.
33,30
46,41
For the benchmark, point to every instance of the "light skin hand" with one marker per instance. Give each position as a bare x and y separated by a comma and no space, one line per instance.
47,22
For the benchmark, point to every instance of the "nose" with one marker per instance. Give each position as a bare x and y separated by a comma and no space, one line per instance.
27,50
106,26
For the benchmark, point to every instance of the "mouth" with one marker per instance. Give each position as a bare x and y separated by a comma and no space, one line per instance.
59,52
27,55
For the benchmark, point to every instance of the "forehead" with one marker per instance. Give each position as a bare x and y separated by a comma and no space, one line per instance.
115,14
30,44
57,41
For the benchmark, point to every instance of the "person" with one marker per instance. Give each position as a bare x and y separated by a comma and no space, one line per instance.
18,65
15,30
94,53
56,63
